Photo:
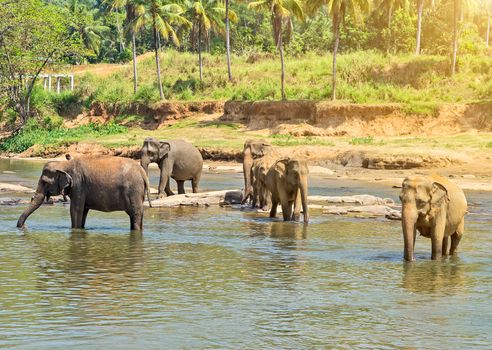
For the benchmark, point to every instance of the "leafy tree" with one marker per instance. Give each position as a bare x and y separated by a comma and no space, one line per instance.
160,16
390,6
337,10
281,14
207,15
116,6
33,34
85,24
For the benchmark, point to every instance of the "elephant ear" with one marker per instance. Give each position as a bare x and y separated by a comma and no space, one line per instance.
164,149
64,182
438,193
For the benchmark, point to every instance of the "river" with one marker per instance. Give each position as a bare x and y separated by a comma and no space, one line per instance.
222,278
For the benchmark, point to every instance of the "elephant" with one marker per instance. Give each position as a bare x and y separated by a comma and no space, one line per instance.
177,159
99,183
253,149
261,194
435,207
287,181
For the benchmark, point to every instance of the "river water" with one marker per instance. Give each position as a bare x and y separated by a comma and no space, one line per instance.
222,278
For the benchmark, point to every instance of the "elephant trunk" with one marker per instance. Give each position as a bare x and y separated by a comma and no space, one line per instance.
304,195
36,202
247,165
144,162
409,219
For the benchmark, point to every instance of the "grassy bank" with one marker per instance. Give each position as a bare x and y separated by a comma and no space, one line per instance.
221,136
364,77
421,83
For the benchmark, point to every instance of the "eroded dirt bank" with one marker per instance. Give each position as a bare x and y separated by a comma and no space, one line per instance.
311,118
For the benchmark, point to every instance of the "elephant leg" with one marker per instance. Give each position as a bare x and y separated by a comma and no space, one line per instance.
287,210
254,201
297,207
136,220
84,217
273,210
456,237
437,236
194,183
167,190
445,242
76,214
181,187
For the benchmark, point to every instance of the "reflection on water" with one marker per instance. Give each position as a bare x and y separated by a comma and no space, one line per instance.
221,278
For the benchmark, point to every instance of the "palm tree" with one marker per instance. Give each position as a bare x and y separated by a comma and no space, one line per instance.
457,7
208,15
488,5
420,10
88,28
338,9
281,14
130,28
161,16
228,43
390,6
116,6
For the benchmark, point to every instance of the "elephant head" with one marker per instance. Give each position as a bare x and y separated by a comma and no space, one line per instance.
153,151
253,149
54,180
421,199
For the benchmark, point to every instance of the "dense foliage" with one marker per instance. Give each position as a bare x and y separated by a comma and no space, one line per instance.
100,26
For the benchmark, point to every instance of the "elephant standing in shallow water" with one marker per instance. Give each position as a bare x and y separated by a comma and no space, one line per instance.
253,150
177,159
98,183
435,207
287,181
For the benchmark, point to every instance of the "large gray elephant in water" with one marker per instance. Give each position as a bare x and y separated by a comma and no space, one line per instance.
98,183
253,149
177,159
287,181
435,207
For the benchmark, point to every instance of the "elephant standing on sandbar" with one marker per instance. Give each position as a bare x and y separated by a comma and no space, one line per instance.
253,149
287,182
99,183
435,207
177,159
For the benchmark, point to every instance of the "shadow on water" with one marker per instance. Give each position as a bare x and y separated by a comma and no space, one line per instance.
446,277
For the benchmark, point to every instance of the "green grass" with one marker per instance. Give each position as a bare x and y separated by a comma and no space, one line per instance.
421,83
362,140
35,133
288,140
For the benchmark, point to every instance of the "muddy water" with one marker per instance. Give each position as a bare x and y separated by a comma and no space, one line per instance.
221,278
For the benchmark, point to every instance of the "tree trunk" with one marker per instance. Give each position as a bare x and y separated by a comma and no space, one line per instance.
487,34
134,49
455,38
228,44
420,9
200,51
281,50
335,50
390,14
157,63
120,39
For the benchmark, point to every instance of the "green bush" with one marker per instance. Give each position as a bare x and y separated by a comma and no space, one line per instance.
33,133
